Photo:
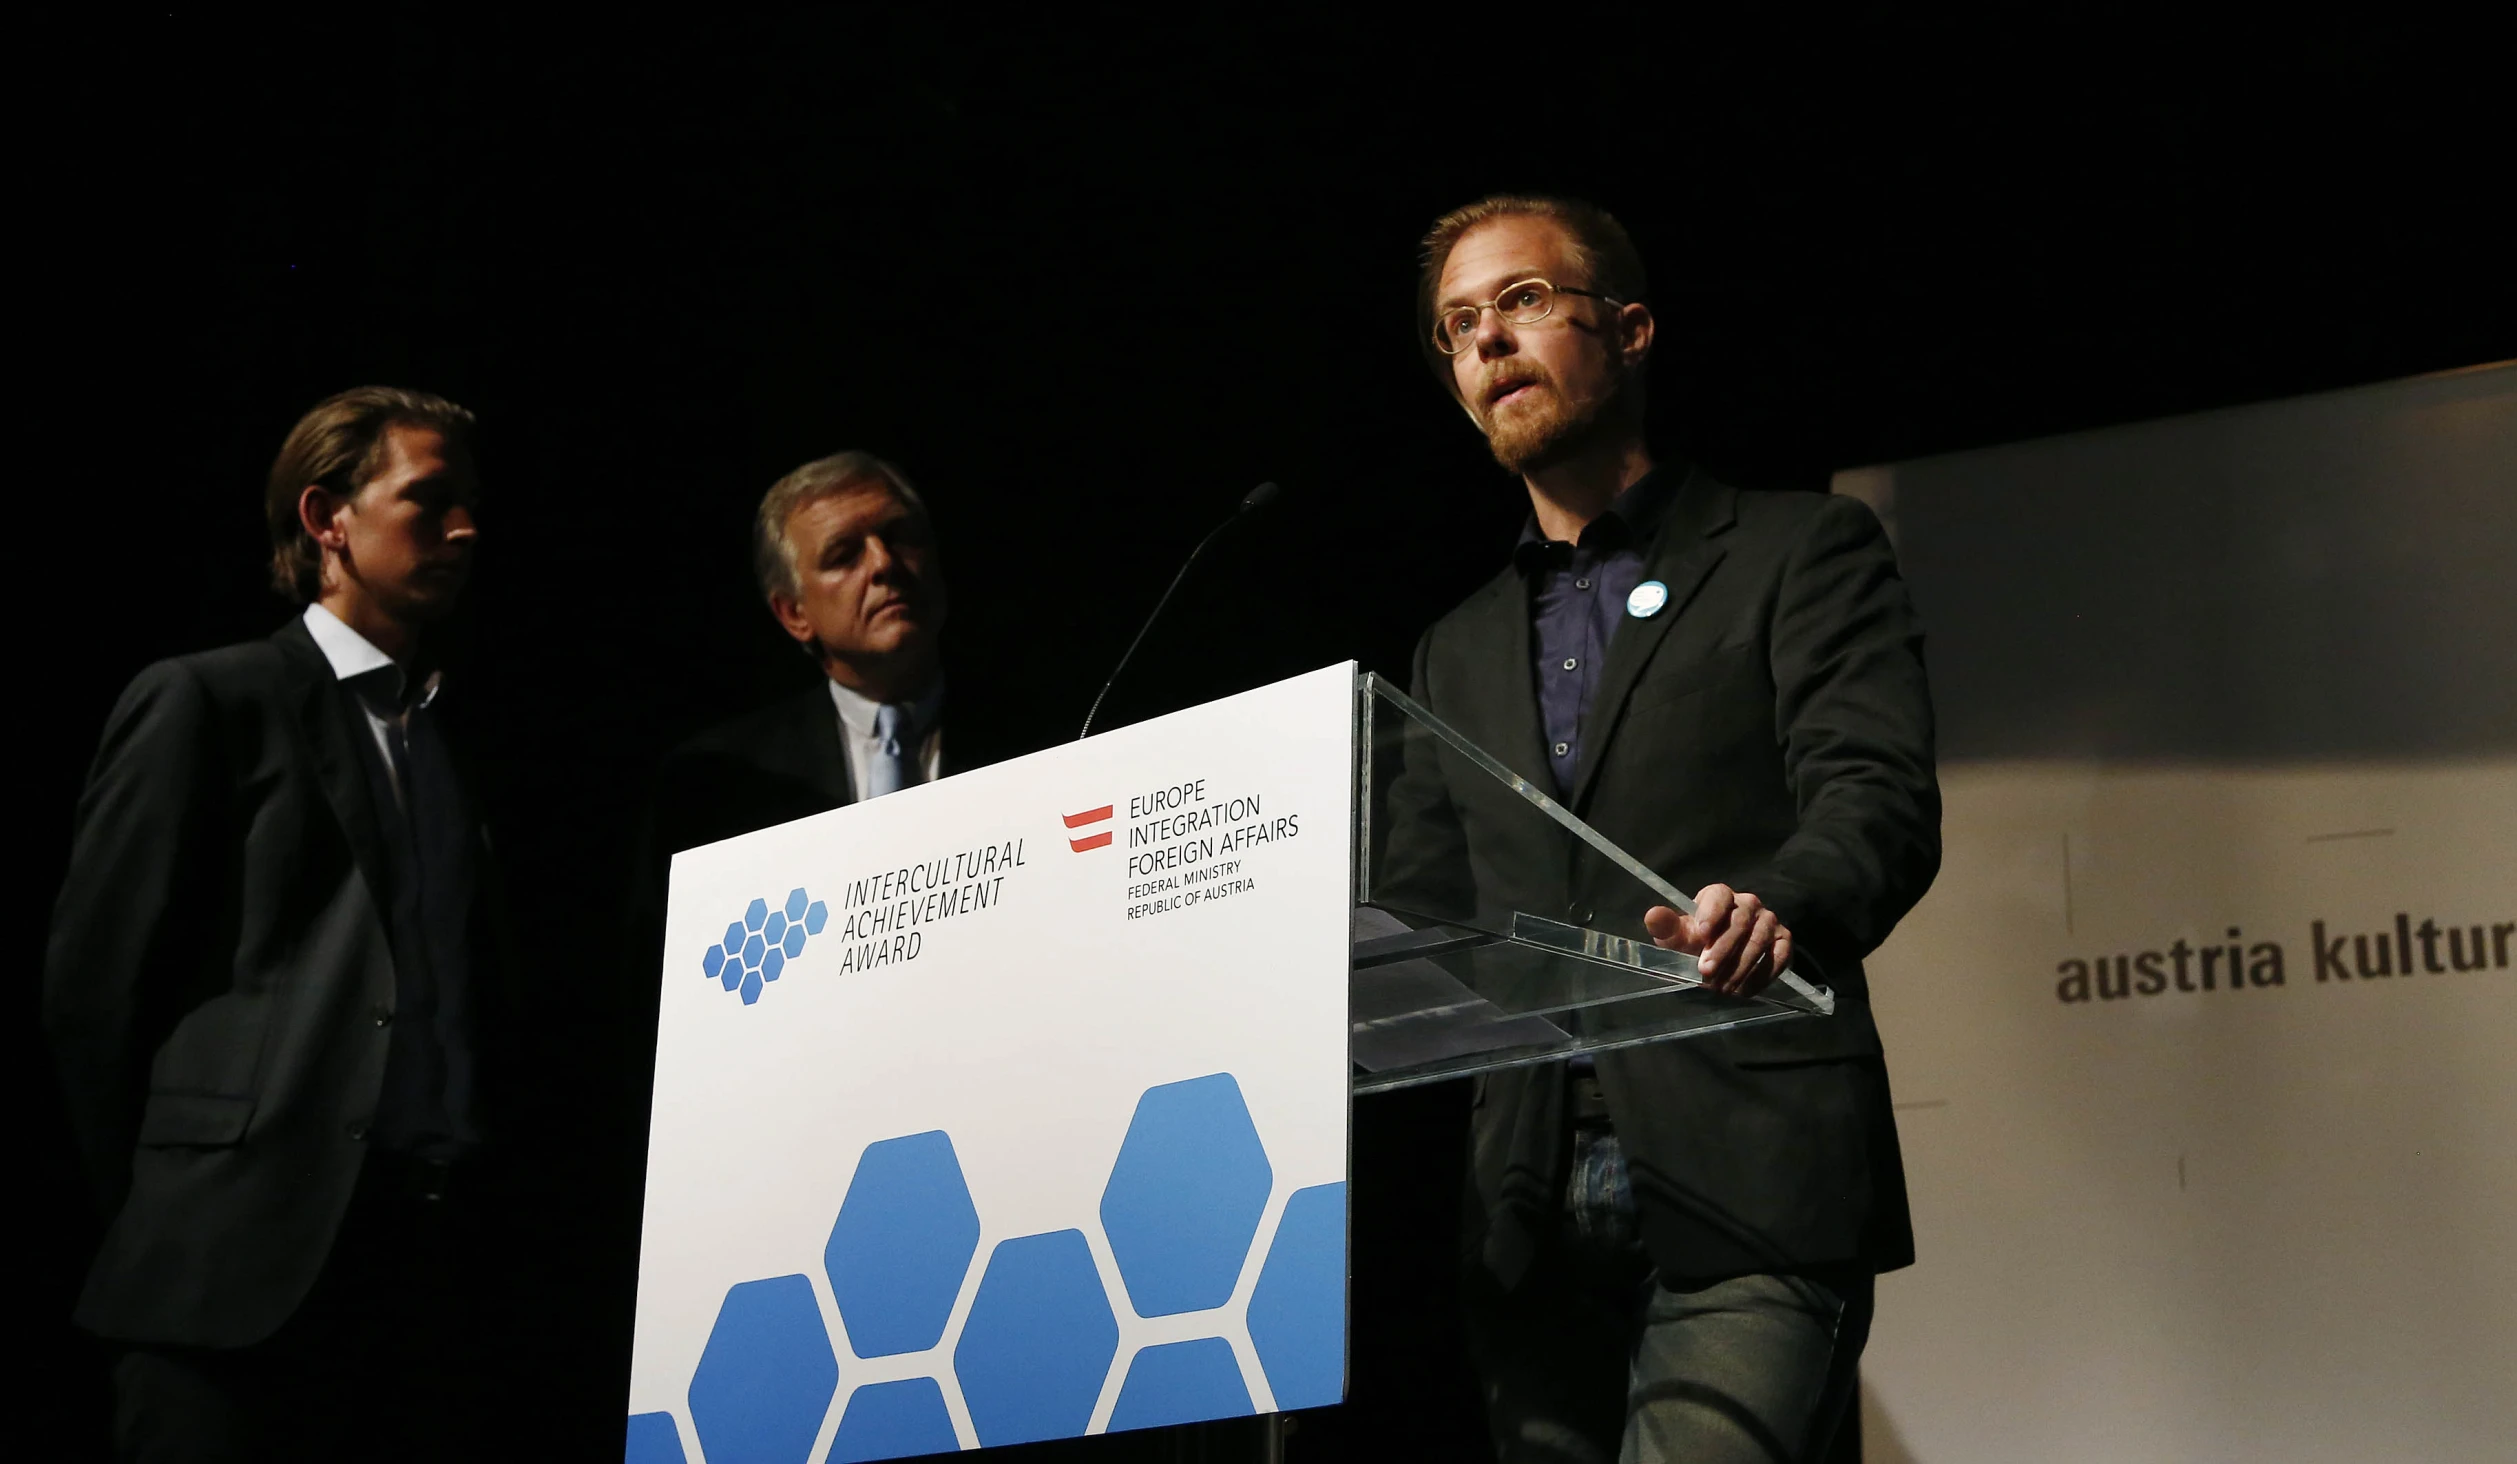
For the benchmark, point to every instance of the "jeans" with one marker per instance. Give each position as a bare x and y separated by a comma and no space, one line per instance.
1595,1357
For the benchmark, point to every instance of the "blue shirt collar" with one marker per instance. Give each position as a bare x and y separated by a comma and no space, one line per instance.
1632,519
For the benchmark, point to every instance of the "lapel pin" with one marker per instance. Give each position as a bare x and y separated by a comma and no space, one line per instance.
1647,599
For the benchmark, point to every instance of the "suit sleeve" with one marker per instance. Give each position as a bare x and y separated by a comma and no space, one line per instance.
1853,711
130,930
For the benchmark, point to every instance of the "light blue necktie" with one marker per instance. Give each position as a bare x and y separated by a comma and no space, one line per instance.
888,770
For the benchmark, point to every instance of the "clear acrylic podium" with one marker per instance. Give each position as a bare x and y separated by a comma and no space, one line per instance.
1450,977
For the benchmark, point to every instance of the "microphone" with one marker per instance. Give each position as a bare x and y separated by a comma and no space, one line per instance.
1251,502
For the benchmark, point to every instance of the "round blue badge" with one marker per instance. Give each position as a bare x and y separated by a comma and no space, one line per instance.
1647,599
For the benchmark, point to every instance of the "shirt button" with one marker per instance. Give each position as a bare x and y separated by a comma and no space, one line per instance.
1563,747
1581,584
1571,661
384,1016
358,1130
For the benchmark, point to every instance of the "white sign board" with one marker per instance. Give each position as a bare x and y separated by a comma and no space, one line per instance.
1012,1106
2167,1214
2201,1042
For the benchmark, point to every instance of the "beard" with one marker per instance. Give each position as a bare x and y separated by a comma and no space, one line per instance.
1542,426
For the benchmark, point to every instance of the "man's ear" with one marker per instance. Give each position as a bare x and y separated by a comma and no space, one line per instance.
791,619
319,514
1634,334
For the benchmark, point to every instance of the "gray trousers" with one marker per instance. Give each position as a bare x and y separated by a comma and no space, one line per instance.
1594,1357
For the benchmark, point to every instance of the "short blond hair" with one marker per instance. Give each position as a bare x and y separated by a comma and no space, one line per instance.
773,552
1601,246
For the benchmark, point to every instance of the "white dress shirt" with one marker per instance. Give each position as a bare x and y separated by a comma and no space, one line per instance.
856,732
352,656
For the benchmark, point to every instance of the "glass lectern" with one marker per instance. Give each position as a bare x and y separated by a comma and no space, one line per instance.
1464,962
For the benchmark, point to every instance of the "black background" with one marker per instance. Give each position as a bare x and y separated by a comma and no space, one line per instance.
1088,279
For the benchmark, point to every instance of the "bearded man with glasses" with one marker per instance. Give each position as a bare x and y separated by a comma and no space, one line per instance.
1673,1246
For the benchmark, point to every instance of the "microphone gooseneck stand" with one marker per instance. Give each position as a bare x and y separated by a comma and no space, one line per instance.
1256,499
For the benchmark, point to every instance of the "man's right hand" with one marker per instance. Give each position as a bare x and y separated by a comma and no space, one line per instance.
1738,943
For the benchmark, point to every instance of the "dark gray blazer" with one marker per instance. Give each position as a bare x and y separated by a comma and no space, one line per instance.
782,762
1770,729
217,990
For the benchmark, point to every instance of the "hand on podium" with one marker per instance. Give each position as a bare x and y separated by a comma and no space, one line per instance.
1738,943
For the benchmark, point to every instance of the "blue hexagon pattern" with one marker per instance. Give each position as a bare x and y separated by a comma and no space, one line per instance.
902,1242
1038,1341
1185,1196
893,1421
766,1377
1298,1309
757,947
654,1439
1182,1202
1181,1382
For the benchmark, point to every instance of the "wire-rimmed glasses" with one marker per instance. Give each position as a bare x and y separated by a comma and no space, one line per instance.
1524,303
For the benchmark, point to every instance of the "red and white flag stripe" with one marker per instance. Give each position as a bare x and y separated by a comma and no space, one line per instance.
1089,816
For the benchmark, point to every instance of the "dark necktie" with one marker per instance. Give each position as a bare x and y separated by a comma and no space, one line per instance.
430,829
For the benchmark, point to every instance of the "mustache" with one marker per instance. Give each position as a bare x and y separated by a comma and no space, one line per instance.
1505,376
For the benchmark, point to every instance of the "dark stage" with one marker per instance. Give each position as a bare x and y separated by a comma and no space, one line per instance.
1088,280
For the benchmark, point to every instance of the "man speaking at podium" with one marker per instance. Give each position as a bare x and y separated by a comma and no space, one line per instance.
1673,1248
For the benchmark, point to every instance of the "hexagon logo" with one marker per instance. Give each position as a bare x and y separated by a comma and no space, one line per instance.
757,947
901,1245
766,1377
1298,1309
1038,1342
1185,1196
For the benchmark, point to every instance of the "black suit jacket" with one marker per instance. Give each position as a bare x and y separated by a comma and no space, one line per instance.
776,765
218,987
1770,729
773,766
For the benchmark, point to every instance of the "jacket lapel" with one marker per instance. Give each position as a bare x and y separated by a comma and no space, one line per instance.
323,720
817,754
1688,547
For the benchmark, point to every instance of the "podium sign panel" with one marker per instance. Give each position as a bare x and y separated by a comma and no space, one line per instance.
1012,1106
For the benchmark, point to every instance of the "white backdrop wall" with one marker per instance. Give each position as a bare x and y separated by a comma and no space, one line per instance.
2243,679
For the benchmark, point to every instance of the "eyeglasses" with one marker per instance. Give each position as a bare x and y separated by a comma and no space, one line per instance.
1526,303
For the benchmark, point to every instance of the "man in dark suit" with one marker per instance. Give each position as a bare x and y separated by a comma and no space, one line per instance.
270,986
846,559
1673,1246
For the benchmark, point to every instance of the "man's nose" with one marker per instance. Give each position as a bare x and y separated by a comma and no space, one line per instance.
460,526
879,560
1494,335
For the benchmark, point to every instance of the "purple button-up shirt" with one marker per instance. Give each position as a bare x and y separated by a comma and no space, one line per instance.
1577,596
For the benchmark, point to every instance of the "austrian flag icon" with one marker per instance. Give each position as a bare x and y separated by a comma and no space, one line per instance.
1092,841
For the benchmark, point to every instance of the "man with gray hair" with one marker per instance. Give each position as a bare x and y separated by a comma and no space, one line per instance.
846,560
